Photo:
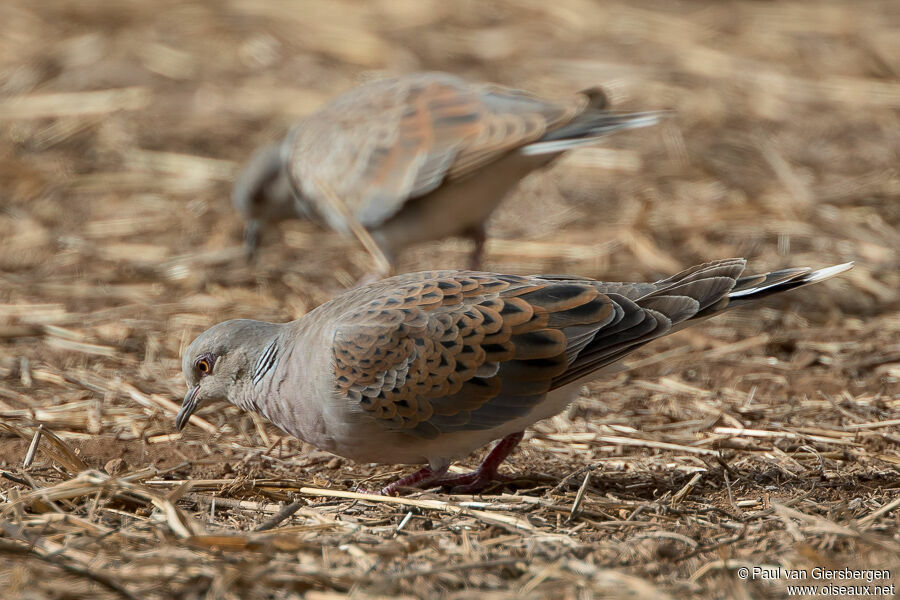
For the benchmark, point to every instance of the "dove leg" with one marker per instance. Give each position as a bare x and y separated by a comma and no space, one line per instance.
421,478
464,483
478,236
467,483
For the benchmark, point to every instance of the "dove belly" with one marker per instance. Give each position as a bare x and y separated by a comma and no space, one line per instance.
453,446
361,438
457,207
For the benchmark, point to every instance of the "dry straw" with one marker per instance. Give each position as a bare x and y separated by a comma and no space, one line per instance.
764,438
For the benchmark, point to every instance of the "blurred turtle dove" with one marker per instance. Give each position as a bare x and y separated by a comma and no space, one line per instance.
416,158
425,368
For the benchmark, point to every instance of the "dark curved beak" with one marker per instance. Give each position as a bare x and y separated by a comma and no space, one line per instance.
187,408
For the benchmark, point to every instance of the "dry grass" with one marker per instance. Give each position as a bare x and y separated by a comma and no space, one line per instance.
767,437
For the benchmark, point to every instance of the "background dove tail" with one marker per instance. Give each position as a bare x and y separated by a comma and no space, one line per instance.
588,128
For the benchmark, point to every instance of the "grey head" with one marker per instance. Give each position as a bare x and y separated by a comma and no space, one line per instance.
219,364
263,193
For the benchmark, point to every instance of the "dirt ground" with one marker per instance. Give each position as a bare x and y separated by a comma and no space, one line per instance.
767,438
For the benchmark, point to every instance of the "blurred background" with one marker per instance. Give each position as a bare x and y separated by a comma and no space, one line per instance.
123,123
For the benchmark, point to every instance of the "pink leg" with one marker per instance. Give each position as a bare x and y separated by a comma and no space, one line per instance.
464,483
468,483
420,479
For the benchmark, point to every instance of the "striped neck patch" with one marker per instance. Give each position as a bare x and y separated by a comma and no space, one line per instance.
266,362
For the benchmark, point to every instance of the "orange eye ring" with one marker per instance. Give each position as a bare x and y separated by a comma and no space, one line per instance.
204,365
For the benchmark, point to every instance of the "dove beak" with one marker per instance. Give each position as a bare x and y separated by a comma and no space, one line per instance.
187,407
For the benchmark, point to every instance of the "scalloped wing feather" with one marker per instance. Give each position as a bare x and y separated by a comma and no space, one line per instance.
438,352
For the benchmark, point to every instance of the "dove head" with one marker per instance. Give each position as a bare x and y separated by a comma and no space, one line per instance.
218,364
263,193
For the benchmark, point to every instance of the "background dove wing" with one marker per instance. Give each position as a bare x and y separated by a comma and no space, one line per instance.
397,139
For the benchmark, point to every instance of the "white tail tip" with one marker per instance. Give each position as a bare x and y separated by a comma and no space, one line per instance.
828,272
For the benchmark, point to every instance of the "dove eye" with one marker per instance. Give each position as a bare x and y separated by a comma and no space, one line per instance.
204,364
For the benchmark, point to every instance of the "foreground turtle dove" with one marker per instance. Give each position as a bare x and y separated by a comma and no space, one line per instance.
416,158
425,368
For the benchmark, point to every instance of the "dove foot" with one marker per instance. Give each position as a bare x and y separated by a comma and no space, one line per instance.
486,473
470,483
464,483
421,478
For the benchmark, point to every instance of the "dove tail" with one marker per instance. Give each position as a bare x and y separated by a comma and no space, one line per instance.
590,126
649,311
754,287
721,285
716,287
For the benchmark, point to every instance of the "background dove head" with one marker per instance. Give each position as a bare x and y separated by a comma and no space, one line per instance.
262,193
217,365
